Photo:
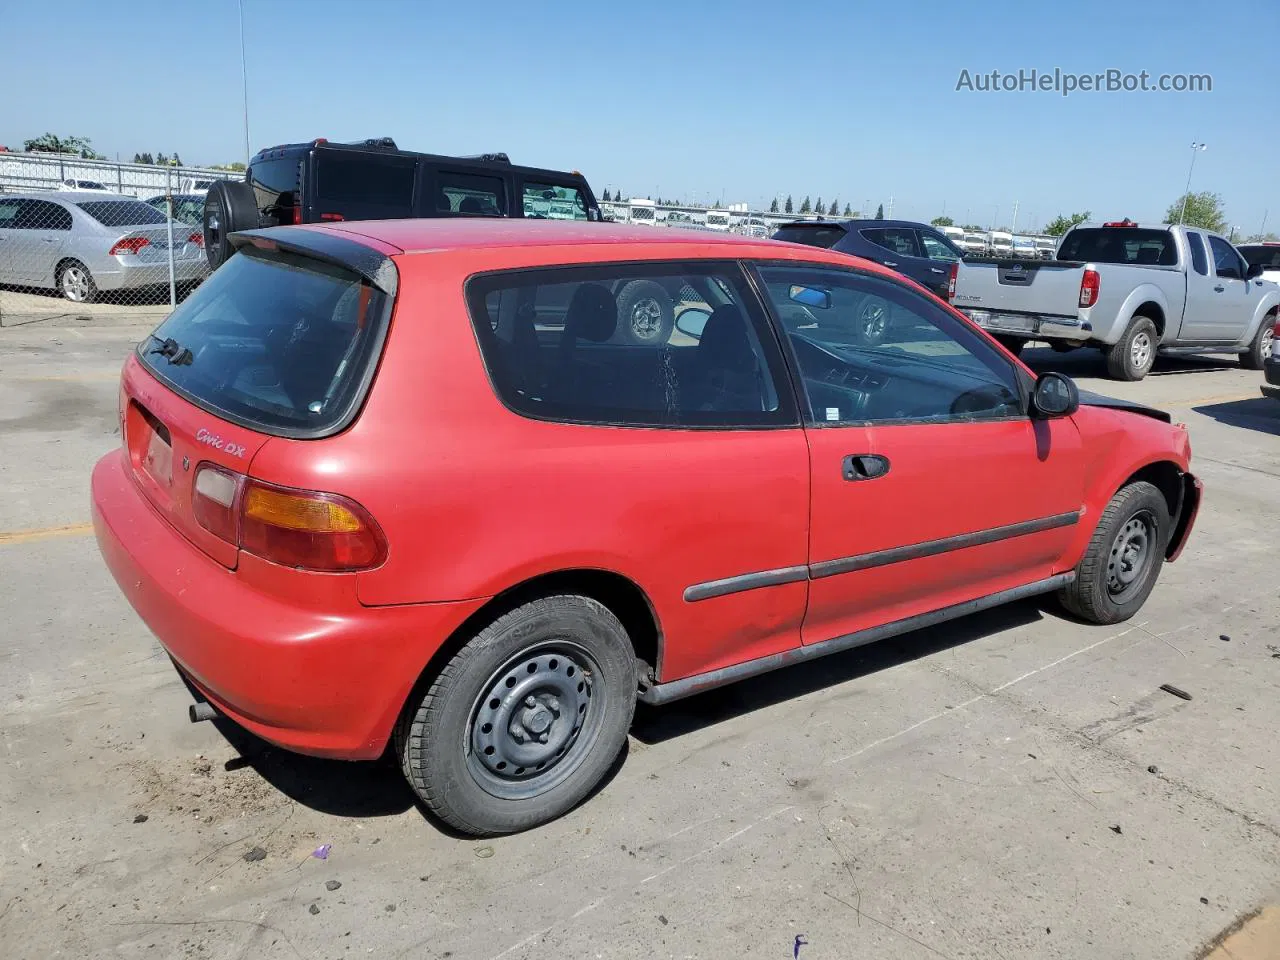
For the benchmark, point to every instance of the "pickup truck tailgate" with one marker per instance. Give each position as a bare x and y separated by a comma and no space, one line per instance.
1015,295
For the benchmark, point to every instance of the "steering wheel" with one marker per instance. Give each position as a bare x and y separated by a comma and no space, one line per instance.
987,399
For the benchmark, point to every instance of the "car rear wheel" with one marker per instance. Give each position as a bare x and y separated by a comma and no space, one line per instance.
1122,562
1134,356
229,206
525,719
1255,358
872,321
75,282
645,313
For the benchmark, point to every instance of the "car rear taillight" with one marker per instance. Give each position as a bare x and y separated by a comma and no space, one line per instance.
197,238
307,529
1089,283
951,281
128,245
332,216
1126,222
213,501
297,214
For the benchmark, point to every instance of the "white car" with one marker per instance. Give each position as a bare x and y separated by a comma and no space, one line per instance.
83,186
1267,254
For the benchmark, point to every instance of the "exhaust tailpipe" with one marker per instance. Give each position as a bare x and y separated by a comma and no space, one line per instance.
201,710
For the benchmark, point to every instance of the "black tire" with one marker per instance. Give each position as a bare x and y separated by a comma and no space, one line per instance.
572,671
1134,356
1013,344
75,282
646,313
229,206
1108,588
1255,358
873,321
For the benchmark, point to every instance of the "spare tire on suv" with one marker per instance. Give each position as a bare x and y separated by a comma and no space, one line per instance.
228,206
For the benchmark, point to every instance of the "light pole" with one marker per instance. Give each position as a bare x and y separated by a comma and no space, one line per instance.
1195,148
244,83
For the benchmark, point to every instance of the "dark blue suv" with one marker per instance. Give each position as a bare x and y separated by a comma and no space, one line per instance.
915,250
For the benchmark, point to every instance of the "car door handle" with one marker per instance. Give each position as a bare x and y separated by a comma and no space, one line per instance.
936,270
864,466
1219,289
890,263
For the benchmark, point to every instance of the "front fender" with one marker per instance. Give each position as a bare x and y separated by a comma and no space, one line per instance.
1270,301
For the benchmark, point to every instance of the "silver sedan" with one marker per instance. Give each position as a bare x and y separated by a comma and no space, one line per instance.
83,243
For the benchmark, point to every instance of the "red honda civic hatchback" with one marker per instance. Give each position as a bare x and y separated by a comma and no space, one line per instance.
469,489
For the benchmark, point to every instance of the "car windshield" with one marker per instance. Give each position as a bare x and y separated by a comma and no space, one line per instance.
277,342
1120,245
121,213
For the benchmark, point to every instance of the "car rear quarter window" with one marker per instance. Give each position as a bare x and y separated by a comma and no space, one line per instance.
121,213
1199,262
673,345
274,182
1134,245
274,341
899,240
42,215
469,194
813,236
364,185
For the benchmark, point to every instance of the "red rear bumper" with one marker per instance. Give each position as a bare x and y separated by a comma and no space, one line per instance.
325,678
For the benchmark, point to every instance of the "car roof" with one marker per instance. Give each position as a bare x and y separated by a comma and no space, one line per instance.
570,237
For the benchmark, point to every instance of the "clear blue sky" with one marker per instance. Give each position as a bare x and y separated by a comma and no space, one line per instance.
698,98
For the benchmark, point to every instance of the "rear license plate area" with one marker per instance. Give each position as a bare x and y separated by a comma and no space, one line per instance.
1006,321
150,445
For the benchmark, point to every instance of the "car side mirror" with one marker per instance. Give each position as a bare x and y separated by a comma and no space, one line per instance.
692,321
1254,271
810,296
1055,395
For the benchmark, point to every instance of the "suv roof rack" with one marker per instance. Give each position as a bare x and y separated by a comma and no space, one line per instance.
488,157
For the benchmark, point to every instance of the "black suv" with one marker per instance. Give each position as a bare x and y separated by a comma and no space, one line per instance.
375,180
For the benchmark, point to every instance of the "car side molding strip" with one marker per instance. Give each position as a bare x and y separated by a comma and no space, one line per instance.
879,558
746,581
929,548
677,689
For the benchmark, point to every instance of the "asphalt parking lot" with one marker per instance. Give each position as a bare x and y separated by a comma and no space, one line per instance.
1014,784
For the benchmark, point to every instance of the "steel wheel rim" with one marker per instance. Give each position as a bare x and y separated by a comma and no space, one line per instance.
1131,556
646,318
535,721
75,284
873,322
1140,350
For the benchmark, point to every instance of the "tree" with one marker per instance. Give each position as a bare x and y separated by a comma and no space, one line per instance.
834,209
147,159
773,207
52,143
806,206
788,207
942,222
818,207
137,158
234,167
176,160
605,196
847,211
1203,210
880,212
1061,224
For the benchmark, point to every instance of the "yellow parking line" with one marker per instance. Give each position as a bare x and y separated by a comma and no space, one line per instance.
45,533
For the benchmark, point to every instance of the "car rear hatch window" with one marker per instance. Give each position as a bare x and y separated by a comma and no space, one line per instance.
815,235
275,341
1134,245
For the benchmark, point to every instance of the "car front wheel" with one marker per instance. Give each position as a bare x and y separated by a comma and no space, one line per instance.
525,720
1122,562
75,282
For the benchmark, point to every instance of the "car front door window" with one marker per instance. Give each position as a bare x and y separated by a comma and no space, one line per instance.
870,350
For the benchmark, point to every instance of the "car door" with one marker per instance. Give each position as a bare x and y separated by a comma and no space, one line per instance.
1237,298
940,254
930,484
48,238
1203,301
902,251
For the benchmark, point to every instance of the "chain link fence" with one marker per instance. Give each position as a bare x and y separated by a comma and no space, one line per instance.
116,242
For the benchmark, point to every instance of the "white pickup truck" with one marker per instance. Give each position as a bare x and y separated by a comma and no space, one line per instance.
1130,290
